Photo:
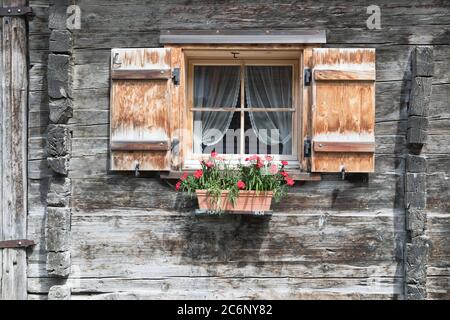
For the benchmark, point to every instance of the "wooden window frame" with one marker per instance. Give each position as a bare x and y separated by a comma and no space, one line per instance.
182,129
192,159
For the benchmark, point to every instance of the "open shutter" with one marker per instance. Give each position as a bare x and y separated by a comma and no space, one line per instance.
140,105
343,110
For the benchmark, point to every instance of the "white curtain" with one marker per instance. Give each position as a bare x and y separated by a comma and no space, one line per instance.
270,87
214,87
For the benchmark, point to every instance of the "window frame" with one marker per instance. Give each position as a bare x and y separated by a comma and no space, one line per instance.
191,160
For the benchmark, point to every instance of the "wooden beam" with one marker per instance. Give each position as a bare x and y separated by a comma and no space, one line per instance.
264,36
140,146
295,175
13,151
344,75
341,146
163,74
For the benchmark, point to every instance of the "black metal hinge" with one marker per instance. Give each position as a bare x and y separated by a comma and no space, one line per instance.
21,243
17,12
176,76
307,148
308,77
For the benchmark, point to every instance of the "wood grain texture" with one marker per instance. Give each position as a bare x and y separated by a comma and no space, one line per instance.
108,25
140,108
13,146
343,108
330,146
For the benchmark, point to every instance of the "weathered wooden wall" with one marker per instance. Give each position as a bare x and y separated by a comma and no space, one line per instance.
329,239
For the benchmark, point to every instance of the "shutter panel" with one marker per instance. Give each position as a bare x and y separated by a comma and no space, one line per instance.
343,119
140,104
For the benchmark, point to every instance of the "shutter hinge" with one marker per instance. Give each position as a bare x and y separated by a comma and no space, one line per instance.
17,12
308,77
307,148
176,76
21,243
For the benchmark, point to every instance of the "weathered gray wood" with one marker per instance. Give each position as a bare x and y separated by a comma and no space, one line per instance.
58,141
231,288
13,134
404,23
421,90
422,61
61,41
416,163
58,263
59,192
59,293
59,76
61,110
60,164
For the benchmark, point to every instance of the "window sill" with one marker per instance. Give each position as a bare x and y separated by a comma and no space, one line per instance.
294,174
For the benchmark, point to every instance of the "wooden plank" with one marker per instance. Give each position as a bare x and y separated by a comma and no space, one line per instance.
242,36
235,288
13,106
140,109
139,145
162,74
344,110
343,146
295,175
344,75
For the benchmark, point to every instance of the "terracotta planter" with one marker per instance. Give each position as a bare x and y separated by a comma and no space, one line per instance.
247,201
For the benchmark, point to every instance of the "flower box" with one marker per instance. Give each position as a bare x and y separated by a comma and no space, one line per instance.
247,201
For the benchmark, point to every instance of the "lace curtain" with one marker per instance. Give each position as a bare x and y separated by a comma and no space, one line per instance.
270,87
214,87
266,87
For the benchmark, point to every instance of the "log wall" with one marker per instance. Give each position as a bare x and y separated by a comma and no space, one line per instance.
135,237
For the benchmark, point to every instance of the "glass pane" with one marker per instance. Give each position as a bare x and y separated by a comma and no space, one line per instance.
268,133
211,138
268,86
216,86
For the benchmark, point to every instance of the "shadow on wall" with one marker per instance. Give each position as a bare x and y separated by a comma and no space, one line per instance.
212,241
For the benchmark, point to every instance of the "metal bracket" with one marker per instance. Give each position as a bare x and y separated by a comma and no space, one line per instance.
308,77
21,243
176,76
307,148
17,12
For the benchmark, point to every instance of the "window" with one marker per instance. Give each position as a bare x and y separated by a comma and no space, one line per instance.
172,106
241,107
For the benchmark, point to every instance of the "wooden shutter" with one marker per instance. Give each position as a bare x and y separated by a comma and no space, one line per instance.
140,104
343,110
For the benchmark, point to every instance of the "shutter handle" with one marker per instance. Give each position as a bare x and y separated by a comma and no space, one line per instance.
136,168
342,172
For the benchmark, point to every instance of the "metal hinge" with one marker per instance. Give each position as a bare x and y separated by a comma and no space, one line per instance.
17,12
307,148
308,77
20,243
176,76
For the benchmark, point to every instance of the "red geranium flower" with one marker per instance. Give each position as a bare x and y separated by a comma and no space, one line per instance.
269,158
241,185
289,182
259,164
253,157
284,163
210,164
184,176
198,174
178,185
284,174
214,154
